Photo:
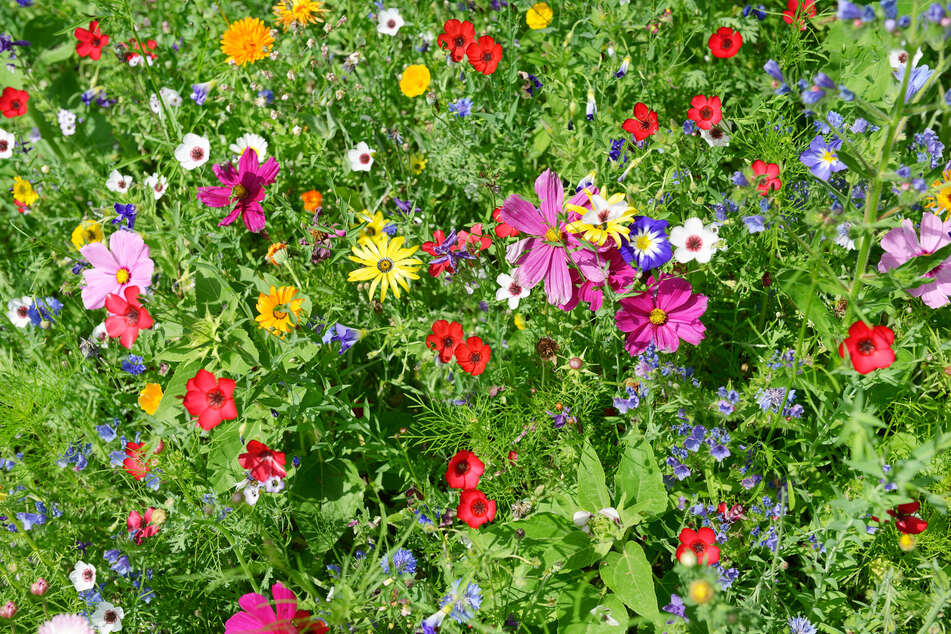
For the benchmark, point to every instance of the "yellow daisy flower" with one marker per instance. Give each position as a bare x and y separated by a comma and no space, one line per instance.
299,12
417,163
373,229
940,202
246,40
276,308
150,397
23,191
607,218
86,232
386,261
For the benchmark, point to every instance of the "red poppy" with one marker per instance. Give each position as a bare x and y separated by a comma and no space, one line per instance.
905,522
503,229
725,42
210,399
706,112
474,508
134,464
90,41
473,240
644,123
446,338
464,470
770,174
797,10
869,348
262,461
126,316
473,356
484,54
444,263
700,543
456,36
13,102
141,526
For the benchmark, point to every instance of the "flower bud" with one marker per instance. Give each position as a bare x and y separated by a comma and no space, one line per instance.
689,559
700,591
8,610
575,363
39,587
907,542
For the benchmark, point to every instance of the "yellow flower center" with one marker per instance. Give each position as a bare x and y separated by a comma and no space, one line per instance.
828,157
122,275
239,192
553,235
642,243
278,314
384,265
657,317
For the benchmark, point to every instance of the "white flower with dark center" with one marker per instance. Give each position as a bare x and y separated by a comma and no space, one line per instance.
118,183
361,157
250,140
99,335
171,96
389,22
83,576
107,618
7,142
274,484
510,289
693,241
899,57
157,184
193,152
716,136
18,310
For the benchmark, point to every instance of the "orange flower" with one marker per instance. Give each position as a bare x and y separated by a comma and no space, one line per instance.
313,200
150,397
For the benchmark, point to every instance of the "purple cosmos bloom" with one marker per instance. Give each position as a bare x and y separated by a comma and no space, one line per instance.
647,245
243,187
342,334
902,244
821,158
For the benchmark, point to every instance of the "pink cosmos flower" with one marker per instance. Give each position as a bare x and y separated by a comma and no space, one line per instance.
546,255
244,188
620,277
902,244
664,314
125,263
259,617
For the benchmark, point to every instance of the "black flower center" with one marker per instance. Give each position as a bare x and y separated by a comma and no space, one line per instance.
866,346
197,154
460,41
216,399
132,316
706,112
478,507
487,57
726,44
462,467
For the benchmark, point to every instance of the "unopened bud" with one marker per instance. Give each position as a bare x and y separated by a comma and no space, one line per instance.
39,587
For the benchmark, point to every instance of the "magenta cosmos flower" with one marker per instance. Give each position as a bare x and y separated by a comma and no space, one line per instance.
664,314
244,188
902,244
258,615
125,263
545,256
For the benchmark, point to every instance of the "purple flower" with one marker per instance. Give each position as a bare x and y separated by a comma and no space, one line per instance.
647,245
692,443
243,188
849,11
755,224
719,452
462,107
677,608
821,158
919,77
345,336
200,92
681,471
559,419
125,213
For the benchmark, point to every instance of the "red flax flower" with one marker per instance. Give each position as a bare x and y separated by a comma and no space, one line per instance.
700,543
474,508
644,123
473,240
456,36
464,470
262,461
869,348
725,42
705,112
484,54
503,229
126,316
13,102
140,526
445,339
210,399
905,522
135,465
91,41
770,176
797,11
473,356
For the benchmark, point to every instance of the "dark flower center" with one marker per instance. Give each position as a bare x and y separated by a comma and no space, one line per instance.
645,124
95,42
478,507
22,311
487,57
216,399
460,41
111,617
132,316
706,112
475,357
449,342
239,191
364,158
726,44
384,265
716,133
197,154
698,547
903,57
866,346
603,215
4,145
15,104
391,23
87,574
694,243
462,467
515,289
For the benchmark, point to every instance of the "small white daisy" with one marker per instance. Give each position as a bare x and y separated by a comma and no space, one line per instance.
118,183
510,289
193,152
250,140
389,22
361,157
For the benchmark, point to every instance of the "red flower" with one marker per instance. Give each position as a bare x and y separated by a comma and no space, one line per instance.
210,399
446,338
905,522
474,508
484,55
140,526
90,41
770,174
869,348
262,461
13,102
134,464
464,470
473,240
456,36
127,316
644,123
503,229
797,10
473,356
706,112
725,42
701,543
436,268
137,49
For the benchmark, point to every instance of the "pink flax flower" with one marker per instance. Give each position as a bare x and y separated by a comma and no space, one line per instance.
664,314
902,244
244,188
125,263
546,255
258,616
141,526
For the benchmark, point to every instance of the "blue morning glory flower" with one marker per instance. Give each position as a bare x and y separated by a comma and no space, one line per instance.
647,245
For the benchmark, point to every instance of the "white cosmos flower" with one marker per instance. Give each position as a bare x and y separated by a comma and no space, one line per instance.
193,152
250,140
361,157
118,183
157,184
510,289
7,142
17,311
107,618
389,22
83,576
693,241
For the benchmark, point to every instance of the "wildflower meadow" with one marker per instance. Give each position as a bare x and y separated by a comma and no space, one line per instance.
477,315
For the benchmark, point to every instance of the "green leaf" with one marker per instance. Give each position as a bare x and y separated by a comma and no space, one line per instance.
638,481
800,287
326,495
588,609
593,492
629,575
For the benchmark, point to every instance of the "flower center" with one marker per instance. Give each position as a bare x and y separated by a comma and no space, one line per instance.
716,133
553,235
90,235
603,215
15,104
391,23
4,145
23,311
515,289
475,357
384,265
726,44
460,41
865,346
706,112
903,57
698,547
197,153
216,399
449,342
828,157
279,314
96,42
122,275
364,158
478,507
462,467
239,191
121,184
111,617
642,243
487,57
694,243
645,124
87,574
132,316
657,317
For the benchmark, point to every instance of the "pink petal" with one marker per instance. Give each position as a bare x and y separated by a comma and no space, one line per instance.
934,233
128,247
902,242
666,338
244,623
558,281
248,163
690,311
692,332
523,215
285,602
551,193
581,199
226,174
257,606
638,340
99,256
514,251
534,265
268,171
931,294
99,283
215,196
227,220
641,303
253,217
589,264
672,293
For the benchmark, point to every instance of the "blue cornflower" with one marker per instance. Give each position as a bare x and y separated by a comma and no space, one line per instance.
106,432
690,127
29,520
755,224
77,455
935,13
403,562
821,158
801,625
859,126
727,576
617,146
200,92
390,229
125,213
268,96
890,7
462,107
647,244
133,364
464,605
44,310
343,335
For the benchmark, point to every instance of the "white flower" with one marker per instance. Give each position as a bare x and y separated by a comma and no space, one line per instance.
510,289
171,97
193,152
99,335
83,576
250,140
581,518
591,108
118,183
107,618
274,484
899,57
842,237
249,490
389,22
693,241
588,181
158,184
66,624
604,210
7,141
716,137
17,310
611,513
67,122
361,157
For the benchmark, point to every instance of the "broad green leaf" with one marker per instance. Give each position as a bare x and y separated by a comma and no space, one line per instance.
638,481
593,492
629,575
